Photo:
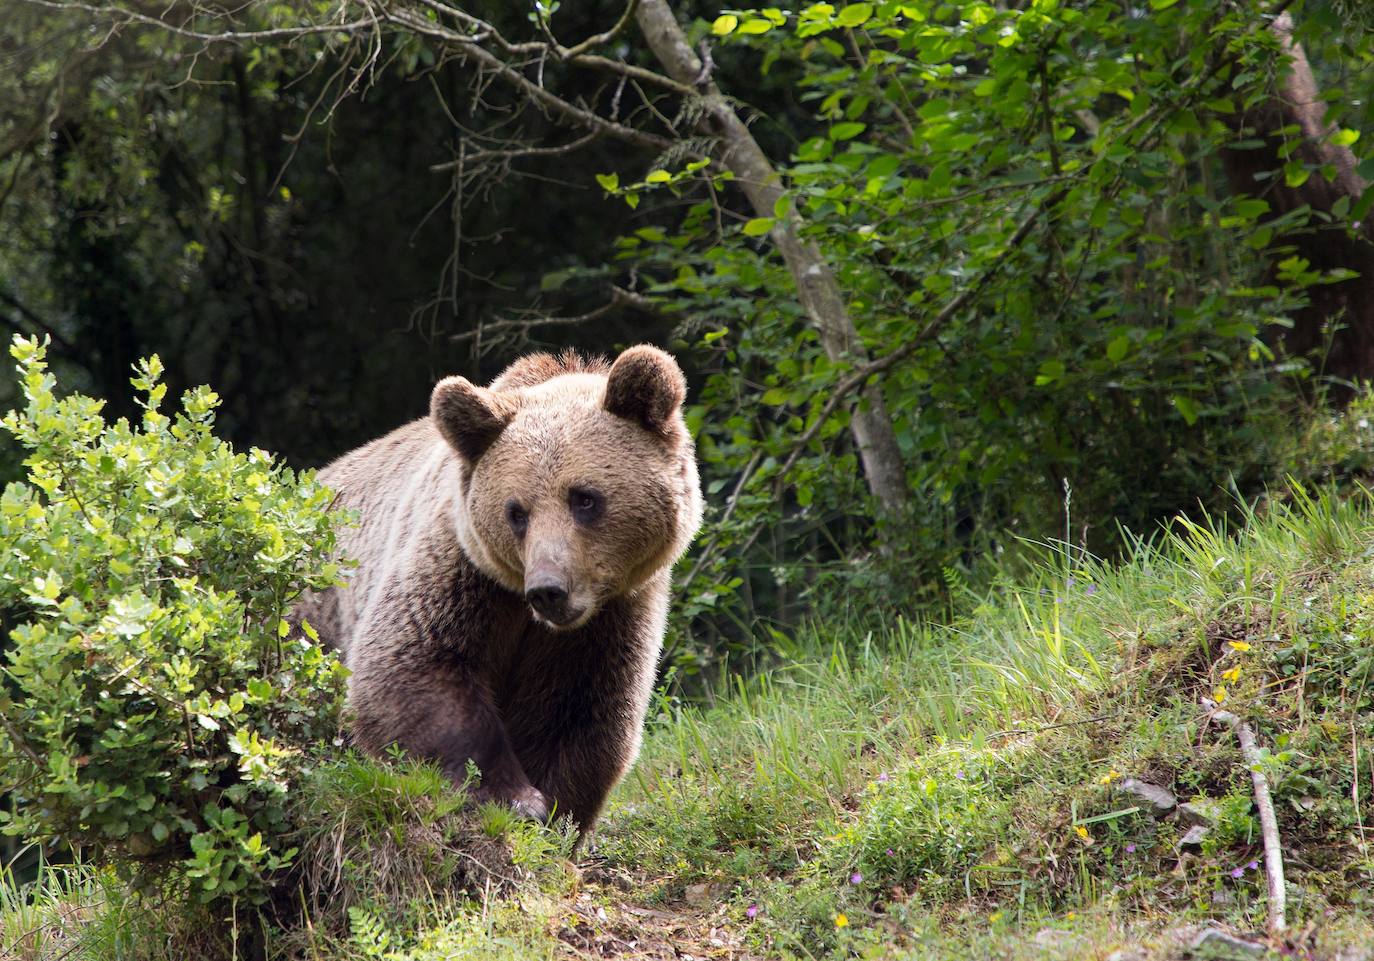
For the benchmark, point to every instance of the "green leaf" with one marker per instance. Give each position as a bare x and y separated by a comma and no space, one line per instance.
855,15
658,177
1162,4
608,182
1185,407
1118,348
724,24
755,26
1050,371
846,131
1345,137
1295,173
758,226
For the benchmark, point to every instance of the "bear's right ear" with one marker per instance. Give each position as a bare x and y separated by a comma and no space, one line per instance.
469,417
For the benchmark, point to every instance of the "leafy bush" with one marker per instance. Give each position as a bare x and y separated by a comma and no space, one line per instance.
925,824
156,712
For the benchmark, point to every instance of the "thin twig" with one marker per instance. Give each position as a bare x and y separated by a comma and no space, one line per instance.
1053,727
477,156
1269,825
619,298
709,549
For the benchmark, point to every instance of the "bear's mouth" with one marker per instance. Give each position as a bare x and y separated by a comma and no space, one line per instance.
565,619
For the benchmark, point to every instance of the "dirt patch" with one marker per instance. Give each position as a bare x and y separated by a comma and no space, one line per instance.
599,925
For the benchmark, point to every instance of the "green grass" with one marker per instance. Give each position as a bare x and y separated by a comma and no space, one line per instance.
942,791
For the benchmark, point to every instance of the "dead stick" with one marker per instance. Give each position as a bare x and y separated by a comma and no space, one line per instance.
1269,825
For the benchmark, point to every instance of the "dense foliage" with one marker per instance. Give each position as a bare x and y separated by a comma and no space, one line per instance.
1026,205
155,709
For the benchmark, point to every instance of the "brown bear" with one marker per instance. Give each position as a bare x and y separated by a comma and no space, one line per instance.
513,553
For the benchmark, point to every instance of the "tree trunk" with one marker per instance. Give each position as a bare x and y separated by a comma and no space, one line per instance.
817,289
1348,303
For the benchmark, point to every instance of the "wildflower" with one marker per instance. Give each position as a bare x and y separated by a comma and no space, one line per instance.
1109,777
1070,583
1219,694
891,853
856,878
1130,848
994,917
1238,873
841,921
1253,865
883,777
1241,646
1070,916
1090,589
752,911
960,774
1083,834
1232,675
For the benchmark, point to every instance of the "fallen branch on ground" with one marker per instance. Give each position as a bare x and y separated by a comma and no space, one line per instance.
1269,826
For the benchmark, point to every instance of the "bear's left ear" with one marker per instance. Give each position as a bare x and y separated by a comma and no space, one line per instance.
646,385
469,417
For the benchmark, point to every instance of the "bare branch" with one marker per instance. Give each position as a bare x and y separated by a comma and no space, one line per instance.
477,156
562,110
221,36
620,297
604,37
1269,825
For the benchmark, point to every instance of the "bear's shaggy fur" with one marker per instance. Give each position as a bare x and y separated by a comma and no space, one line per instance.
513,551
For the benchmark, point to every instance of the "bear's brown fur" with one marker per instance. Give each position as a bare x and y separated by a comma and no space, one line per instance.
513,553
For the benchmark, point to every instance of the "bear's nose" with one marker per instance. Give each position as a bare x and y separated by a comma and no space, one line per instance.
550,599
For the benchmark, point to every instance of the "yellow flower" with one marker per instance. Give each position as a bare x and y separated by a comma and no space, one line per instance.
994,917
1232,675
1083,834
841,921
1070,916
1239,645
1109,777
1219,694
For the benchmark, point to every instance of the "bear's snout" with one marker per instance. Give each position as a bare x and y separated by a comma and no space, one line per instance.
549,598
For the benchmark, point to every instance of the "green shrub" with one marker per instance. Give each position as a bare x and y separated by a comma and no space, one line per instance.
927,823
156,711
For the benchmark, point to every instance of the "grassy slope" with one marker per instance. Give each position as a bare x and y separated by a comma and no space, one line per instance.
916,794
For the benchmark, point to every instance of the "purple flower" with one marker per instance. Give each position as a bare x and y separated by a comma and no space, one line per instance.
1238,873
1070,582
1090,589
883,777
960,774
1130,848
1252,865
891,853
752,911
856,878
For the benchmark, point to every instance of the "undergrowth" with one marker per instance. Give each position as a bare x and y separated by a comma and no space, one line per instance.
950,791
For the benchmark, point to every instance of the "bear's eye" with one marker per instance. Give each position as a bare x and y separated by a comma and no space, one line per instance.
518,518
586,505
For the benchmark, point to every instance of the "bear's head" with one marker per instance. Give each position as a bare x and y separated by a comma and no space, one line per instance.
579,479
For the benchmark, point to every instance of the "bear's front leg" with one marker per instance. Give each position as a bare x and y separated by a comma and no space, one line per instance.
577,708
441,712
